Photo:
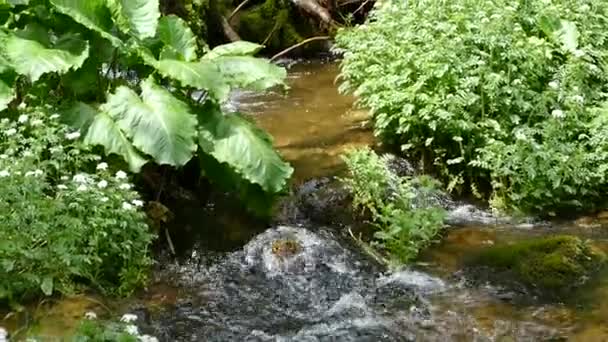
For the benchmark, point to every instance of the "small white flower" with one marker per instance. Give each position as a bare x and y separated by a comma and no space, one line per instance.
102,166
23,118
28,154
37,122
125,186
121,175
10,132
147,338
519,135
62,187
558,114
104,199
553,85
126,206
38,172
137,203
3,156
81,178
132,330
4,173
90,315
73,135
64,178
22,105
128,318
578,99
102,184
82,187
54,116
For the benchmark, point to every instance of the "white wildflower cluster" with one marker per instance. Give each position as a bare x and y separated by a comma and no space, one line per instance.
558,114
132,329
129,327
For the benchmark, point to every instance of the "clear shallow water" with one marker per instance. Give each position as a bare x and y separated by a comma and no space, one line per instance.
331,290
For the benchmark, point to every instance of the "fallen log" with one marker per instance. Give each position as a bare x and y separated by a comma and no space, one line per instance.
313,7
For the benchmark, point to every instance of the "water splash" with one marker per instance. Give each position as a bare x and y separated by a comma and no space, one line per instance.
326,290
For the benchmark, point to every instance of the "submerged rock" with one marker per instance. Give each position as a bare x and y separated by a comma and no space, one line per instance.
554,263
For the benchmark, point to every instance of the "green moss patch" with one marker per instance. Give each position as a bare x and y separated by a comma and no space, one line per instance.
553,263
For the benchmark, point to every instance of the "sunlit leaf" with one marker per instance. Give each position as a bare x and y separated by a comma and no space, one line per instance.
158,123
136,17
31,54
7,94
104,131
239,48
250,73
93,14
235,141
175,33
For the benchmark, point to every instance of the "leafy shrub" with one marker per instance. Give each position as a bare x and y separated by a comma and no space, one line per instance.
61,226
133,82
456,84
405,223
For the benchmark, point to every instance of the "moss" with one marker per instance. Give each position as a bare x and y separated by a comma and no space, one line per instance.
557,262
272,22
285,248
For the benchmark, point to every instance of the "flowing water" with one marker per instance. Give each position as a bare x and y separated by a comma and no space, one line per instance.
328,289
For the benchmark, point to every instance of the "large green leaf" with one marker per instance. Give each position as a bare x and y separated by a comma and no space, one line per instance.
200,75
176,35
158,123
138,18
31,53
239,48
4,64
93,14
7,94
233,140
250,72
105,132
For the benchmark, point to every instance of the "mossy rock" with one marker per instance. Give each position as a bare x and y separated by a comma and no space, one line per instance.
277,24
285,248
553,263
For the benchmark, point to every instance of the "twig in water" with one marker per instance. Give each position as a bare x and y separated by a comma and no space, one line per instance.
304,42
169,241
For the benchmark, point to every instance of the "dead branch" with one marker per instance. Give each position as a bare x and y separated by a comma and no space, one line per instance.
313,7
304,42
237,9
229,31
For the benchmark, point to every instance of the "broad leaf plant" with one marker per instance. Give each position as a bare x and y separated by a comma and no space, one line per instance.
135,82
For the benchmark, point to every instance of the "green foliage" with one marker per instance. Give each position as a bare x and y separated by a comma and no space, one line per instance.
490,93
93,330
63,227
125,77
404,225
557,262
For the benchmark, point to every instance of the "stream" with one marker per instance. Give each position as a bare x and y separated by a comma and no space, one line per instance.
330,290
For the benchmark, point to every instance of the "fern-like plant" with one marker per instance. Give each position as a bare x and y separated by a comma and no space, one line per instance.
131,80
